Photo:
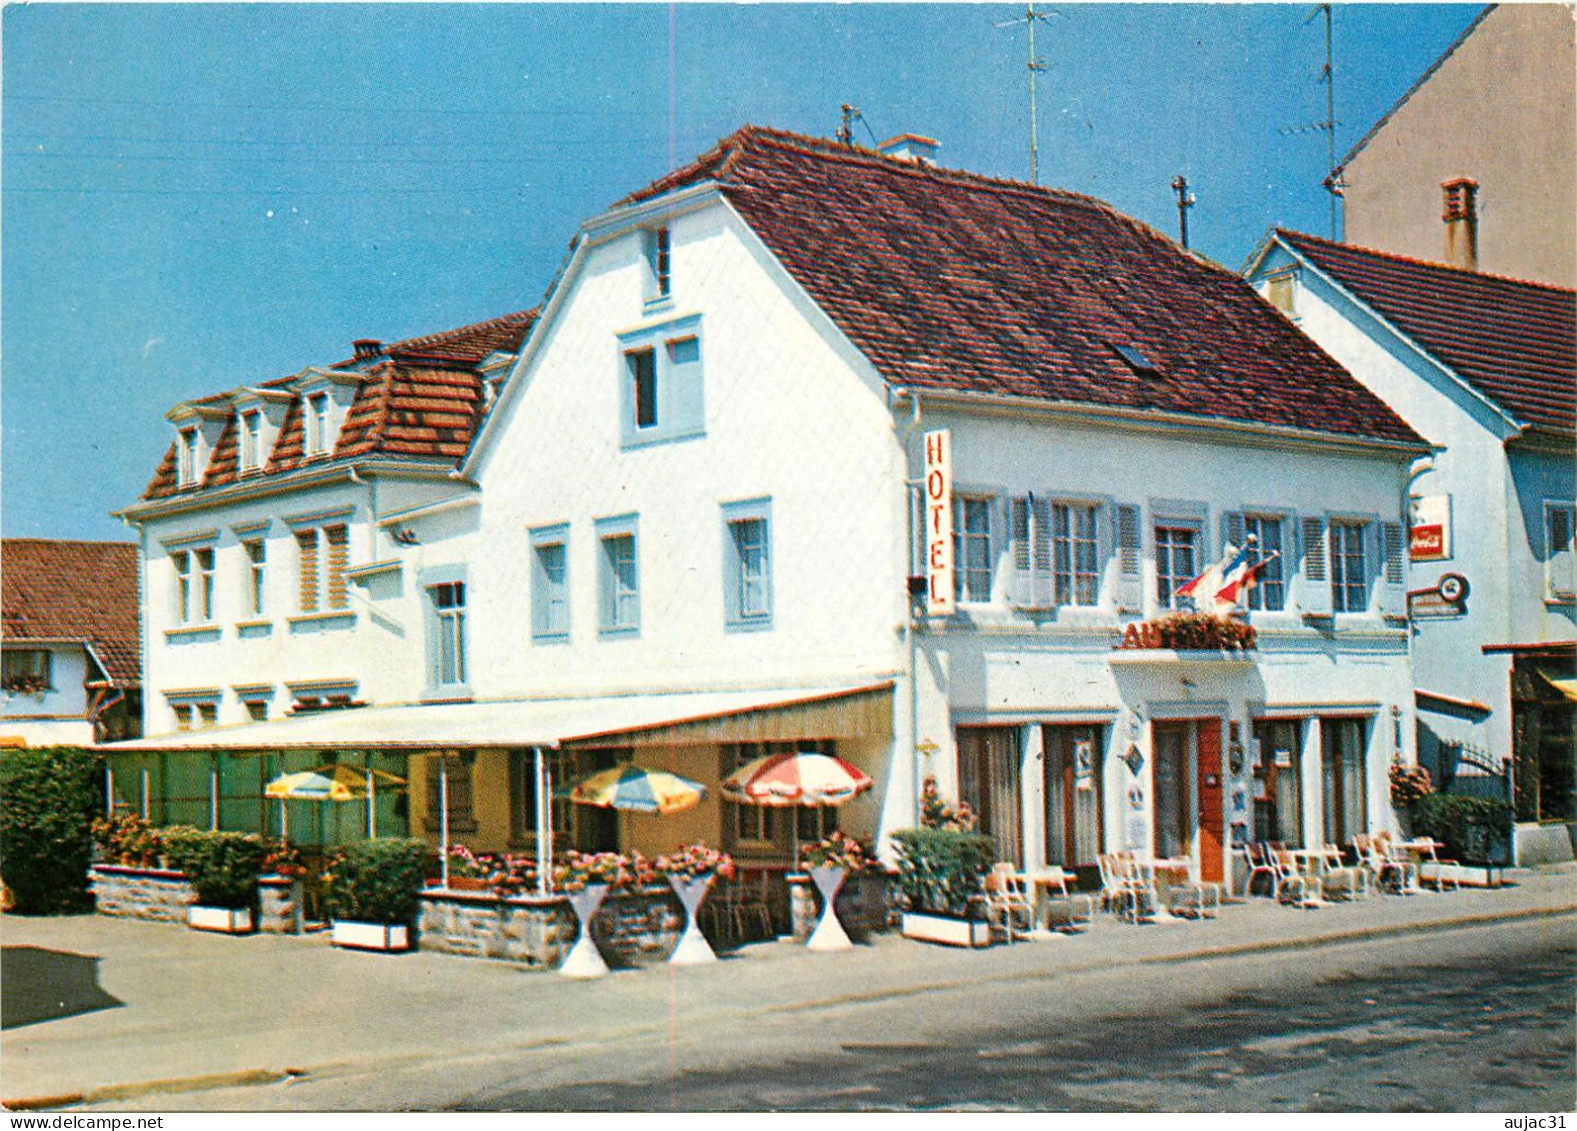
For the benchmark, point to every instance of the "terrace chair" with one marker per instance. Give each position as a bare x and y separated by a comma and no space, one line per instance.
1007,895
1195,899
1290,879
1432,869
1066,911
1337,880
1122,888
1259,864
747,903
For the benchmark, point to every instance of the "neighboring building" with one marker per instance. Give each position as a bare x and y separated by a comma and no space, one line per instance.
684,532
70,656
1485,141
1486,368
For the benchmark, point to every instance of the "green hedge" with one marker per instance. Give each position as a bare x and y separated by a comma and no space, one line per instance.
48,799
941,870
377,881
222,867
1476,830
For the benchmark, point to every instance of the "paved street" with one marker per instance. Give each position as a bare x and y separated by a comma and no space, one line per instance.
1406,1004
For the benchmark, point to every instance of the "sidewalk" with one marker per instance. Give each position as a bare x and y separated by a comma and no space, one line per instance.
202,1010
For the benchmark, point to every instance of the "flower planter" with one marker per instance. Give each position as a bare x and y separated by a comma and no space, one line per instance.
829,933
946,929
584,960
370,936
693,949
224,920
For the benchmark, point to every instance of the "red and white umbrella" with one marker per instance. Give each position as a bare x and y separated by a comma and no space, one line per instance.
799,778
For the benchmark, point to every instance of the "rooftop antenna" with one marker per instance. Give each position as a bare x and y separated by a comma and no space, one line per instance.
1333,180
1185,201
1035,64
849,115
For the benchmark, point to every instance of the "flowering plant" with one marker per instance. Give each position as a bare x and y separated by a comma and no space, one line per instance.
615,869
26,683
938,814
284,859
127,839
1409,784
839,851
689,861
503,873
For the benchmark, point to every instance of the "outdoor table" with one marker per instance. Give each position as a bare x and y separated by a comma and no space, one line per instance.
1041,886
1418,850
1311,865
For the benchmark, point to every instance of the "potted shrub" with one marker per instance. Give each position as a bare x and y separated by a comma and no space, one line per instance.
373,890
1410,784
690,871
586,878
222,869
1476,832
940,875
127,840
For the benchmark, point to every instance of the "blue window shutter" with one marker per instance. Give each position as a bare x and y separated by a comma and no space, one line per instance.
1130,594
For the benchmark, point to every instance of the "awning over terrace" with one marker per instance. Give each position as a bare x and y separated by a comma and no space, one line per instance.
632,720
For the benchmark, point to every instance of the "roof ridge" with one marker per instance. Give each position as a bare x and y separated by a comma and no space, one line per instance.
1431,263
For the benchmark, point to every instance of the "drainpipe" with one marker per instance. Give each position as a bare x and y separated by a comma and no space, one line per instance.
908,623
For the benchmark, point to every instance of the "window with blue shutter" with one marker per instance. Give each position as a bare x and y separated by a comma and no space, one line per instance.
661,388
550,583
618,577
747,565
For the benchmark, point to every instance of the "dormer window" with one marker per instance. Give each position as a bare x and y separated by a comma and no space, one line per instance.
186,457
659,273
1281,291
317,412
251,428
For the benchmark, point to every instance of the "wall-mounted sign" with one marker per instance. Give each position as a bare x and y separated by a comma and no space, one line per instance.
1448,598
1133,760
1429,537
939,522
1135,797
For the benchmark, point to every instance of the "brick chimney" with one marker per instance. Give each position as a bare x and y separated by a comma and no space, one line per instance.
367,347
1459,209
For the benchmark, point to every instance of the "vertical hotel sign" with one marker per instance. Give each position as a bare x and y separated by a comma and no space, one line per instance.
939,522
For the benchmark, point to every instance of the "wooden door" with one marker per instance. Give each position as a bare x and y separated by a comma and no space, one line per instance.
1207,744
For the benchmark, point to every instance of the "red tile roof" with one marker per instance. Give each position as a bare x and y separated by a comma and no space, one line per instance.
421,398
1513,341
952,281
74,591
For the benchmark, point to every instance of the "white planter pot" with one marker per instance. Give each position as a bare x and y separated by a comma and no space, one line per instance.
371,936
945,929
225,920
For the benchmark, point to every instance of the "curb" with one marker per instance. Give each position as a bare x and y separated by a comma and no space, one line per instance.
260,1076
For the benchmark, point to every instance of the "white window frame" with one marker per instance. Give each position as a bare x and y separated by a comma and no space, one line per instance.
1261,517
1338,557
249,424
194,585
256,557
747,583
678,396
315,420
186,452
966,589
657,251
1194,528
448,662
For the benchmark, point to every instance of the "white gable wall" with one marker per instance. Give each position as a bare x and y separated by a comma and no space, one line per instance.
792,415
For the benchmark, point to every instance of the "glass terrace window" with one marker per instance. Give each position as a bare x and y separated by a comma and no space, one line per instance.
1175,562
449,651
972,550
1349,581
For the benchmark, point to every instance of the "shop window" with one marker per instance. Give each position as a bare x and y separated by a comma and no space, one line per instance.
1342,759
988,779
1278,801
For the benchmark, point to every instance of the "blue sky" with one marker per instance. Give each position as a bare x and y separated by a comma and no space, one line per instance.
196,196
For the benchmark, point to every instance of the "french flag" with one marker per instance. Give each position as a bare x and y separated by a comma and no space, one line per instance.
1237,582
1215,575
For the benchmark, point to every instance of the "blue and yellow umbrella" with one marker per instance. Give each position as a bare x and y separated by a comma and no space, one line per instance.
638,790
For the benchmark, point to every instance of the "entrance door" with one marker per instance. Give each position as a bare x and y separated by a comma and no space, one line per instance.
1072,782
1278,802
1173,829
1207,773
1342,765
988,778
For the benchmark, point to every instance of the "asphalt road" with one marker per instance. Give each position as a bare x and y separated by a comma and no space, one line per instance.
1468,1019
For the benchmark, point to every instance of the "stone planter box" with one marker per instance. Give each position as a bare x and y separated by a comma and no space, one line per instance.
630,929
156,894
945,929
370,936
280,906
221,920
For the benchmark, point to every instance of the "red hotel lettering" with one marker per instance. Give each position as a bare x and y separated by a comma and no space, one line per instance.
933,446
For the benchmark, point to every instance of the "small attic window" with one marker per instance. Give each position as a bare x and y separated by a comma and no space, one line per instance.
1136,360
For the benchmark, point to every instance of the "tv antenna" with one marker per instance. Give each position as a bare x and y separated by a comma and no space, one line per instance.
1185,201
1034,65
848,114
1333,181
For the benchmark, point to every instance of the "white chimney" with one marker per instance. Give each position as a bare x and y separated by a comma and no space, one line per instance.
911,147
